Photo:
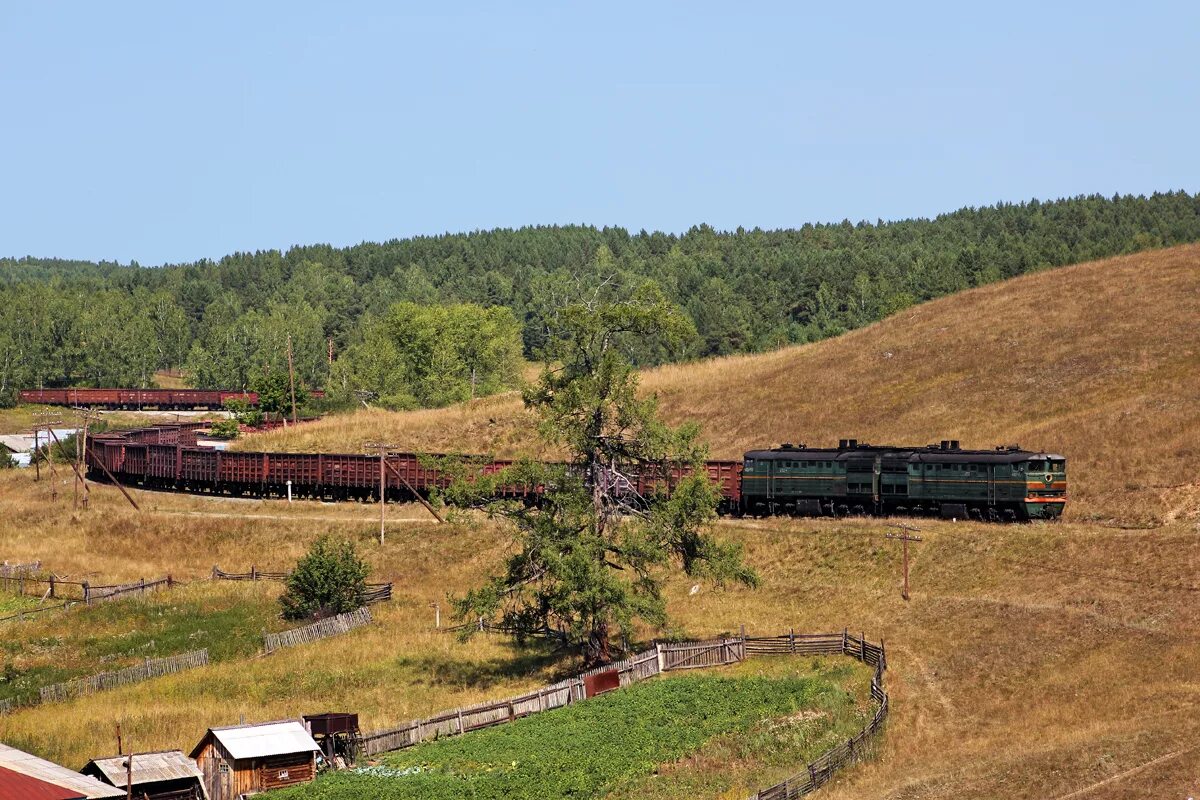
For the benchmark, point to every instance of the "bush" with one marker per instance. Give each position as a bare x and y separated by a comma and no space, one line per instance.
330,579
243,412
227,428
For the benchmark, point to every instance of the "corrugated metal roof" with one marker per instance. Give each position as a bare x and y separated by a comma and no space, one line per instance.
28,764
15,786
263,739
165,765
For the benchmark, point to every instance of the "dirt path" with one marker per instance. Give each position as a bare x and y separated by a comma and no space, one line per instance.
1120,776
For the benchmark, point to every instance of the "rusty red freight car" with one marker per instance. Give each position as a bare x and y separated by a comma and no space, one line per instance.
132,399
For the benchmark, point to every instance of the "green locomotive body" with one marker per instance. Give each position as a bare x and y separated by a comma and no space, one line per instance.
941,480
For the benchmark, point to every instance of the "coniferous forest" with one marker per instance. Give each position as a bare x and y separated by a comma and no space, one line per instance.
432,320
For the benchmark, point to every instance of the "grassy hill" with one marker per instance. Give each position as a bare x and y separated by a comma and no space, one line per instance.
1100,361
1034,661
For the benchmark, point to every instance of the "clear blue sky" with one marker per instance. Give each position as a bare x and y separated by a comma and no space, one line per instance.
173,131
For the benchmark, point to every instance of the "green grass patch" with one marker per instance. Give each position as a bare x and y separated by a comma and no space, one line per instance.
61,645
615,743
13,603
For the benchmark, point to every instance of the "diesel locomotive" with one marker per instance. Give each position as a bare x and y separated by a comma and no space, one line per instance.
1005,484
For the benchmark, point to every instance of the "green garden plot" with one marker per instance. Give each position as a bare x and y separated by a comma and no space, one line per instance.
618,743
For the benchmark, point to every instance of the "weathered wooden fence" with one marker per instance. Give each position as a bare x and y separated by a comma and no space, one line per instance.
817,773
97,594
150,668
485,715
666,657
30,580
375,592
321,629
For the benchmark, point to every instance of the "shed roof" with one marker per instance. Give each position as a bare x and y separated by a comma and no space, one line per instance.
261,739
30,765
15,786
164,765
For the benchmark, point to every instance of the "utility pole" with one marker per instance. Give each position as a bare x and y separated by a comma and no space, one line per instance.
904,537
292,378
86,415
47,420
383,448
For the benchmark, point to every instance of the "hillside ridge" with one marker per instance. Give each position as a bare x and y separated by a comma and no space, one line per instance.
1094,360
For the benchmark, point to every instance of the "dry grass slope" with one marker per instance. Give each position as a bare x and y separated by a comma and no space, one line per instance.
1040,661
1100,361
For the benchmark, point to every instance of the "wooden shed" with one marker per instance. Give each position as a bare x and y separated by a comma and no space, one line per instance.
163,775
243,759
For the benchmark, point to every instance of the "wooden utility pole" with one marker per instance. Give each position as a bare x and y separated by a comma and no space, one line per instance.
383,448
47,420
292,378
86,415
904,537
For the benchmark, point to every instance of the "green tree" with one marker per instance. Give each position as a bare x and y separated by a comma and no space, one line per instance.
593,554
432,356
329,579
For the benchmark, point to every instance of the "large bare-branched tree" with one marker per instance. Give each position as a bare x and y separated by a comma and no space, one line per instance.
591,555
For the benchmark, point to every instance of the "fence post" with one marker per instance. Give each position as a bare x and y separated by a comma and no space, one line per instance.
253,572
87,593
882,654
792,639
844,638
661,658
862,646
52,584
460,722
142,589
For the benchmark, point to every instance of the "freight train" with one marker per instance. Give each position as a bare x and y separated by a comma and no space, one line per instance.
132,399
1005,484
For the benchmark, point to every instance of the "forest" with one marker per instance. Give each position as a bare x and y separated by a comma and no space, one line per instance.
431,320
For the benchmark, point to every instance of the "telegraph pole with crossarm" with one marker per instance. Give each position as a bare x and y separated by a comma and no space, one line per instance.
905,537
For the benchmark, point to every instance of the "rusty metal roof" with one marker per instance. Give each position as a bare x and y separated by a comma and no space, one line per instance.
262,739
30,765
15,786
164,765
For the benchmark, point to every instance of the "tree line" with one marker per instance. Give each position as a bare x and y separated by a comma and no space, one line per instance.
436,319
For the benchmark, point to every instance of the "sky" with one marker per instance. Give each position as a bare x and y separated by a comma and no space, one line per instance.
169,132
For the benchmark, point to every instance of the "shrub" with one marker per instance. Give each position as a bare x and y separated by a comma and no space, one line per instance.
227,428
243,412
330,579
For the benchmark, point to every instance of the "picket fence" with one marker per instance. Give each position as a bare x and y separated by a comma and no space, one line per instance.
321,629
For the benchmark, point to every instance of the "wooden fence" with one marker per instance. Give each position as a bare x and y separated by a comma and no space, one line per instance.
664,658
96,594
321,629
24,579
150,668
817,773
375,592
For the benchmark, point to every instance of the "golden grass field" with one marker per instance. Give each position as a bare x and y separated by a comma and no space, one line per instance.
1033,661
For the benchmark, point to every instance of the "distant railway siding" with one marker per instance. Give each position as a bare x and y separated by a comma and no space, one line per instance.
133,399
